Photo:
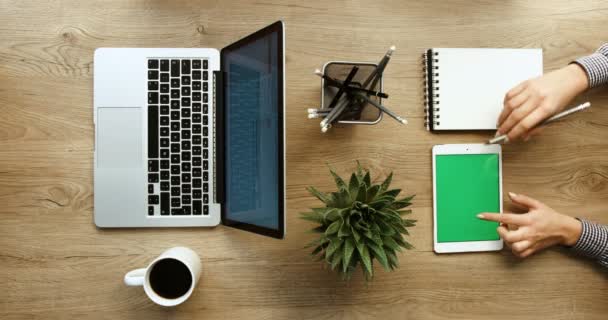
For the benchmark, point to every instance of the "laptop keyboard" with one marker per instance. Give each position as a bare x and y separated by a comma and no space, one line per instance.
179,139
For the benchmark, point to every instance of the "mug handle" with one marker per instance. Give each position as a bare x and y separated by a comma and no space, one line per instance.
135,277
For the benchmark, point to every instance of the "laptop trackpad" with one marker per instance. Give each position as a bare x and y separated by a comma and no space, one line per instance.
119,138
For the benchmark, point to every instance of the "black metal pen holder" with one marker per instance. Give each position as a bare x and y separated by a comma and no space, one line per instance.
362,113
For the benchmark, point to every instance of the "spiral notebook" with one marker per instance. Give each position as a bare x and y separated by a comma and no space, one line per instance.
465,88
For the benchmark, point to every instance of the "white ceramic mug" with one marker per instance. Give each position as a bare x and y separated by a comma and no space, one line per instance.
166,277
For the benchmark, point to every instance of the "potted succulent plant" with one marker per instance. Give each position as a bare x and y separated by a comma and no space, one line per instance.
359,223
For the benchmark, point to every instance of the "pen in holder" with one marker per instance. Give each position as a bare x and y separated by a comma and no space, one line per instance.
351,93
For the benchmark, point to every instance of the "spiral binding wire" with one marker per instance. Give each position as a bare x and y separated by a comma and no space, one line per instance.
431,90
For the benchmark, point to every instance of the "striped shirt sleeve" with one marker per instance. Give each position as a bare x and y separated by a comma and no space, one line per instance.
593,242
596,66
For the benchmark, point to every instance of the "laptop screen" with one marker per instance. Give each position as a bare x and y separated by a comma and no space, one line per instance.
253,100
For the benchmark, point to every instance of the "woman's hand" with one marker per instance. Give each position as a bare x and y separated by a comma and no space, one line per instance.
539,228
534,100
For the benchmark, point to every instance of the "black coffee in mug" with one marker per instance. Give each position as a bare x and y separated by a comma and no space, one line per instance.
170,278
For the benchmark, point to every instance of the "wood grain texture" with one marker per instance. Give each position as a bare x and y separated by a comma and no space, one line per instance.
54,263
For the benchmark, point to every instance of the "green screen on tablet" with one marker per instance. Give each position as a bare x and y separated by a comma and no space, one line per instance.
466,185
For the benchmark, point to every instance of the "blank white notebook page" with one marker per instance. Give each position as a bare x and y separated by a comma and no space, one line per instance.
473,82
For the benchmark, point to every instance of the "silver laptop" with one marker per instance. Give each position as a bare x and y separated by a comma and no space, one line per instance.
192,137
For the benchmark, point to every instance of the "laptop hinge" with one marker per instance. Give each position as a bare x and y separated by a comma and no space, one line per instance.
219,135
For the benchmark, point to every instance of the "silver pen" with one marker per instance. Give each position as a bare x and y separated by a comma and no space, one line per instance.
504,139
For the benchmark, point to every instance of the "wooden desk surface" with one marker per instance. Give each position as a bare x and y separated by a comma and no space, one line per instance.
54,263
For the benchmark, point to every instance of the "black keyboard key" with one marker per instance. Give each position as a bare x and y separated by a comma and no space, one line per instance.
196,64
164,186
205,176
196,75
150,210
205,143
164,203
175,191
196,85
196,161
175,148
205,108
177,211
186,123
175,94
175,68
205,154
205,198
205,75
205,165
164,121
196,151
164,88
164,65
152,75
175,136
153,199
196,107
164,131
196,183
164,110
205,97
197,207
164,153
153,132
152,165
205,131
165,175
186,91
205,120
205,87
186,145
164,142
205,187
186,167
152,64
165,164
196,118
185,102
175,169
150,188
164,77
175,83
186,177
152,85
186,188
175,126
186,199
175,104
205,64
186,155
164,98
186,80
175,181
196,139
175,202
185,134
196,194
153,177
205,210
196,128
196,96
185,66
196,172
175,159
186,210
185,112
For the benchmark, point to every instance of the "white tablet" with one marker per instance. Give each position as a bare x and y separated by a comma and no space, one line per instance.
467,180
